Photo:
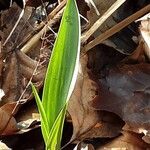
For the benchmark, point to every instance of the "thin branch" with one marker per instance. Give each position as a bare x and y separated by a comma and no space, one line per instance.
101,20
52,20
94,6
117,28
16,24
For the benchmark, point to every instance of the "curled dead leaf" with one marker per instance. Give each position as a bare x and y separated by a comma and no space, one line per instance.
8,124
87,122
125,92
83,118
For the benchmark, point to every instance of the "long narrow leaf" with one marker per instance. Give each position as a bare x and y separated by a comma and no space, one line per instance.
42,113
62,69
60,77
55,135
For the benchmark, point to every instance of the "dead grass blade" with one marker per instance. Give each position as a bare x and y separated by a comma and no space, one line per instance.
117,27
53,17
101,20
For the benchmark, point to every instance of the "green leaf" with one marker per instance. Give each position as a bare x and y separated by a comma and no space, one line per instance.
60,77
55,135
62,69
42,113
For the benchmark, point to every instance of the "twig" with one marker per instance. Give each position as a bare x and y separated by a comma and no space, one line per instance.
94,6
117,28
53,13
101,20
16,24
36,37
57,9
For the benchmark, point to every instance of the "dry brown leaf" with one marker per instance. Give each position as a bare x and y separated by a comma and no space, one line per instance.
6,127
125,92
8,20
83,118
145,33
101,57
127,141
145,133
27,118
108,126
88,123
19,69
11,81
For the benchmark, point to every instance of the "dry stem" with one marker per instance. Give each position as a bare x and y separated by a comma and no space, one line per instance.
117,28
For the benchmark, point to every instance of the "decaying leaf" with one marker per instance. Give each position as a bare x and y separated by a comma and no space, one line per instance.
144,132
11,81
145,32
83,118
17,68
8,20
125,92
101,57
88,123
8,124
109,125
127,141
28,118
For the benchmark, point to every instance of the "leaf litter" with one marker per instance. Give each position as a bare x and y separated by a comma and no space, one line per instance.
109,107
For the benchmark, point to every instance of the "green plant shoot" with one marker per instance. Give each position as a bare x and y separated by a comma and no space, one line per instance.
60,77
